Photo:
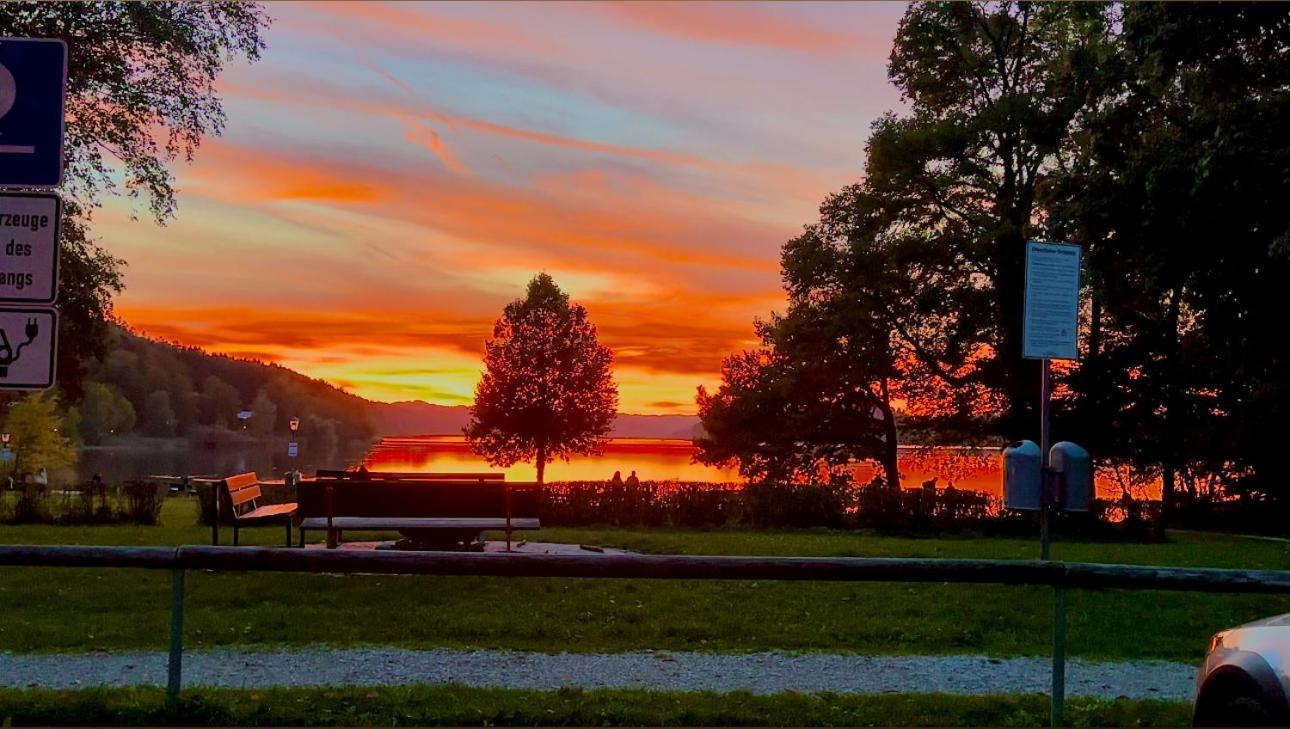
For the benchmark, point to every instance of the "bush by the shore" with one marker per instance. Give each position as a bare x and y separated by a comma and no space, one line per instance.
839,505
132,502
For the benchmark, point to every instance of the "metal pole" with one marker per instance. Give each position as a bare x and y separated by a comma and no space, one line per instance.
1045,490
175,667
1059,655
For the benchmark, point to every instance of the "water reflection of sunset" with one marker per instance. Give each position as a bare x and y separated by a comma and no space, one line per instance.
659,459
651,458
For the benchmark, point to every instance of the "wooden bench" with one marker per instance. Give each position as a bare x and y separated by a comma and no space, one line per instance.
235,505
439,511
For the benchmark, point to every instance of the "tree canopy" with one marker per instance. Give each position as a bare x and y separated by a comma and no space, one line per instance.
140,97
817,394
1149,133
548,389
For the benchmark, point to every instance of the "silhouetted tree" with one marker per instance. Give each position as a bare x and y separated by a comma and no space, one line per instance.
1180,192
817,395
994,92
104,412
218,402
548,389
264,415
158,415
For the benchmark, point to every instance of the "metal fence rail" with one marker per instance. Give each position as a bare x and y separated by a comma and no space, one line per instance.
1058,575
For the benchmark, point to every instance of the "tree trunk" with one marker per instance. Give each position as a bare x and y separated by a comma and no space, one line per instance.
1014,376
541,463
891,452
1172,450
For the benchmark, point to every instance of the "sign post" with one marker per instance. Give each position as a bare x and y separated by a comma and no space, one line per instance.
28,347
29,235
33,89
33,94
1050,331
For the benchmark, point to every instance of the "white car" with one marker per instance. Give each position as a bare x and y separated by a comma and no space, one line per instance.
1246,676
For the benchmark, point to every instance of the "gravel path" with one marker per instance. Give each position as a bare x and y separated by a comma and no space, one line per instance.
761,673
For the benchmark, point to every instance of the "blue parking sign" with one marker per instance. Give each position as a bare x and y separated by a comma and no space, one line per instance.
33,87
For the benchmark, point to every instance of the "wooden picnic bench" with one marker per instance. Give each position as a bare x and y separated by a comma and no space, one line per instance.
438,511
235,501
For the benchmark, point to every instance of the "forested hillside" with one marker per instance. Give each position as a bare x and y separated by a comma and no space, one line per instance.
159,389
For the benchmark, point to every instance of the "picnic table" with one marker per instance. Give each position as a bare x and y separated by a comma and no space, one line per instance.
431,510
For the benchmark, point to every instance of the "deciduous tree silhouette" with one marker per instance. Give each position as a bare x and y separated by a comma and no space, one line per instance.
817,394
548,389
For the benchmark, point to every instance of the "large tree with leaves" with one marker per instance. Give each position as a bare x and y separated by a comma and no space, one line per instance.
547,390
1179,194
140,96
994,94
819,392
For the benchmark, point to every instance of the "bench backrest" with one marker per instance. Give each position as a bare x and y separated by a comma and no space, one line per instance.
237,495
407,498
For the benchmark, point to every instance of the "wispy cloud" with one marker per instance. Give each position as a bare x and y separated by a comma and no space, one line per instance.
392,174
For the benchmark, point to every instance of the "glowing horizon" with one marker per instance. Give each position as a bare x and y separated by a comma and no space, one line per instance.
391,175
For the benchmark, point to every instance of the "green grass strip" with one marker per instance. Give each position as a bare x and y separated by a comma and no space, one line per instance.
454,705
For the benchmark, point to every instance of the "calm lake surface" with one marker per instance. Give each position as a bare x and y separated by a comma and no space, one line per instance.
651,458
662,459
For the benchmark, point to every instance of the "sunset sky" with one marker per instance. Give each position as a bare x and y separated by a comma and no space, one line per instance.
391,175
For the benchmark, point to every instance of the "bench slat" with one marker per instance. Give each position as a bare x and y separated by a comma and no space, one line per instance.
278,512
396,523
243,495
241,480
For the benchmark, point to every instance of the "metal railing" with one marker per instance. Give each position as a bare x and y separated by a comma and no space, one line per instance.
1061,576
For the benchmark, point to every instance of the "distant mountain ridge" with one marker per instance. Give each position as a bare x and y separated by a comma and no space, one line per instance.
417,417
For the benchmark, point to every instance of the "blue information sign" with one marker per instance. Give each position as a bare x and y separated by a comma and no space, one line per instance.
1051,326
33,86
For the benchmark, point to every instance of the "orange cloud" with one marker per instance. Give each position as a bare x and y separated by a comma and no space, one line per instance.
730,23
393,173
312,180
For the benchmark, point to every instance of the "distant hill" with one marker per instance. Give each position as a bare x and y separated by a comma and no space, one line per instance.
415,417
165,389
161,388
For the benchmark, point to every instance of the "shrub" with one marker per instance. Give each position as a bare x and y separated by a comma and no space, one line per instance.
133,502
837,505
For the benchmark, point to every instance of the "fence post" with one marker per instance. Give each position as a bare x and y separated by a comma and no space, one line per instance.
175,665
1059,655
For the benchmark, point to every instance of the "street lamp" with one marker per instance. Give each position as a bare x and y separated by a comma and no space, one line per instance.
293,450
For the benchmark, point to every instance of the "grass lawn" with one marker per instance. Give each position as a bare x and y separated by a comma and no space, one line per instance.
82,610
457,706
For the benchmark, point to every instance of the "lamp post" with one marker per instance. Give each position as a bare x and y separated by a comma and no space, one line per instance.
6,457
293,449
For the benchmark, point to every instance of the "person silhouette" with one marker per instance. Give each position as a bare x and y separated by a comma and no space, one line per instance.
617,480
632,480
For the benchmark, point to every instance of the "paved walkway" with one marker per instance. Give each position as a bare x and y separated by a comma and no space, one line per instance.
761,673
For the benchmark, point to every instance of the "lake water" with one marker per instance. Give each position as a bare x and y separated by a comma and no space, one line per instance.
661,459
183,458
651,458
